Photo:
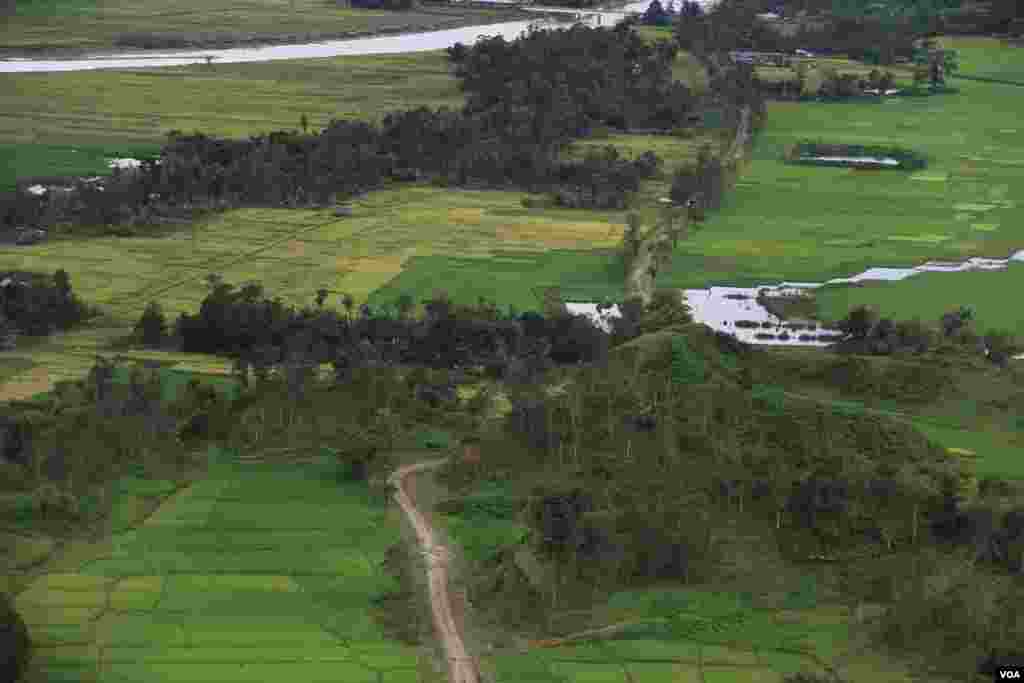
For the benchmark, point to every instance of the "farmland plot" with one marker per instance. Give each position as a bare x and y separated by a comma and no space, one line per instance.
231,580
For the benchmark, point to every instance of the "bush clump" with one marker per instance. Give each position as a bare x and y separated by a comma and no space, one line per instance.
805,152
15,644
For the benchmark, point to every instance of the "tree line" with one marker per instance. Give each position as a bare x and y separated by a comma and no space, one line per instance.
36,305
869,333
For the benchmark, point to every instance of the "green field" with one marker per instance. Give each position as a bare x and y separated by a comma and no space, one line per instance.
988,58
787,222
233,579
929,295
102,24
66,123
26,160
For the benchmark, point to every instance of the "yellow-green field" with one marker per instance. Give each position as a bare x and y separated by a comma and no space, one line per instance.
508,253
102,24
233,100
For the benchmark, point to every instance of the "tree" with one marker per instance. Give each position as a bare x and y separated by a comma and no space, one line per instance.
152,326
349,303
954,321
632,235
15,643
321,297
405,306
937,63
304,123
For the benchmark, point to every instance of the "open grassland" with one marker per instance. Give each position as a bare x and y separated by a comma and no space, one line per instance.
929,295
66,123
800,223
233,100
35,160
255,572
103,24
984,57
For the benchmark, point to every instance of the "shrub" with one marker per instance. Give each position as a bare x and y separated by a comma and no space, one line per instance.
687,366
15,644
152,326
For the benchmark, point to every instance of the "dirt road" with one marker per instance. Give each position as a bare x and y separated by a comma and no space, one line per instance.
461,667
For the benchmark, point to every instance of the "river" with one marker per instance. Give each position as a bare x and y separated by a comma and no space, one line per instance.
379,45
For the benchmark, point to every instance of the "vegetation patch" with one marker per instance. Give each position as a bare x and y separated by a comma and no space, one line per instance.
854,155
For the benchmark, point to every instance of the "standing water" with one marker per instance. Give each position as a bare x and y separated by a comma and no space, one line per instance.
722,308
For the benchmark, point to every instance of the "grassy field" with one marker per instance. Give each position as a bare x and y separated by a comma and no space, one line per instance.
231,580
988,57
102,24
66,123
929,295
36,366
19,161
786,222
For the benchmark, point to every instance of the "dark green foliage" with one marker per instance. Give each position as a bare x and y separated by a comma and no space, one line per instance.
152,326
804,677
37,305
15,645
687,367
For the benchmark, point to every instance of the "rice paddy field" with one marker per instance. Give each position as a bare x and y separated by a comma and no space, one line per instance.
929,295
983,57
104,24
256,572
786,222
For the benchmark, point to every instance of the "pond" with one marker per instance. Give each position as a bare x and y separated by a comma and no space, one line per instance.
856,160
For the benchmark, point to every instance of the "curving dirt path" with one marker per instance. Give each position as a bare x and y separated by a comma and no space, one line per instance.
461,667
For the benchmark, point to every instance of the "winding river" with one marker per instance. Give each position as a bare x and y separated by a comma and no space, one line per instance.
378,45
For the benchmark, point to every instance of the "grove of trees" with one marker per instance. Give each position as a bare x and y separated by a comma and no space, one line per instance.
525,100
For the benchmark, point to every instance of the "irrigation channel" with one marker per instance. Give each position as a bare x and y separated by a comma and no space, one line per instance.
380,45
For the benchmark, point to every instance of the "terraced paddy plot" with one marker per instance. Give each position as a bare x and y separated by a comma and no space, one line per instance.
216,589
